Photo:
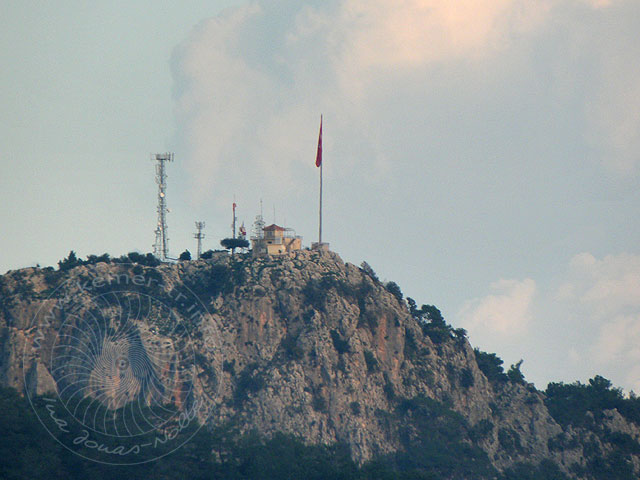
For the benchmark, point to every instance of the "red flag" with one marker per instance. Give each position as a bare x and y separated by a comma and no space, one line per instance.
319,154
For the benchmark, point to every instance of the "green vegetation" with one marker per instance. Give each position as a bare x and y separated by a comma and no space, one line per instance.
546,470
370,360
148,260
292,350
466,378
481,430
366,268
250,380
431,321
233,243
319,403
341,346
229,366
569,403
72,260
213,280
491,365
394,289
185,256
207,255
509,441
514,374
581,405
434,438
435,443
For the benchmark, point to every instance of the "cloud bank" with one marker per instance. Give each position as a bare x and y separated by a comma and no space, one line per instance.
594,313
605,295
506,312
251,82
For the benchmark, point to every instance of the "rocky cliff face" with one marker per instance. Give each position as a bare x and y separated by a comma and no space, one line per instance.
305,344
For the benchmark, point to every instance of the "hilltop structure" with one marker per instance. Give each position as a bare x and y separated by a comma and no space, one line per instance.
275,240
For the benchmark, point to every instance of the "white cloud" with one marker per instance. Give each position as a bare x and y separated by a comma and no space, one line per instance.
251,82
589,325
603,287
613,121
604,294
505,312
618,348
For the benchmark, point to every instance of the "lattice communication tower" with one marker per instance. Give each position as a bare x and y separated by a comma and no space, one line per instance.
161,245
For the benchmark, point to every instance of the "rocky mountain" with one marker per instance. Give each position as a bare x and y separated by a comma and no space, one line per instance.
306,345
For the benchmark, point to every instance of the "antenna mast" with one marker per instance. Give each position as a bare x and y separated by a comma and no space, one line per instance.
161,245
199,236
233,225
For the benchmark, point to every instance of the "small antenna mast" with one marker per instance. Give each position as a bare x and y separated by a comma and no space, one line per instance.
199,236
235,219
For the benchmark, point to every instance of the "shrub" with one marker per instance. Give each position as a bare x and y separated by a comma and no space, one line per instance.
388,389
233,243
370,360
341,346
491,365
250,380
366,268
481,430
70,262
315,294
432,322
514,373
410,345
185,256
291,348
509,440
394,290
466,378
319,404
229,366
93,259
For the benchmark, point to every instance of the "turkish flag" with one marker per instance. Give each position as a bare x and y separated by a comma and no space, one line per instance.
319,154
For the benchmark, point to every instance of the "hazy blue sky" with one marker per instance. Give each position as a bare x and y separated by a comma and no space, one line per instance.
484,154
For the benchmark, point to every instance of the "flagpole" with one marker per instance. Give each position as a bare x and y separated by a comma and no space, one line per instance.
320,222
319,162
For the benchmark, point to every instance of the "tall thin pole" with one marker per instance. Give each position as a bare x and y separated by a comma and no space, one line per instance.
233,225
320,216
319,164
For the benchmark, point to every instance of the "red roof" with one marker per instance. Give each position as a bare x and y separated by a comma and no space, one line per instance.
273,227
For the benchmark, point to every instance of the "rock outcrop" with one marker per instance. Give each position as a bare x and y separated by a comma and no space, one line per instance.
304,344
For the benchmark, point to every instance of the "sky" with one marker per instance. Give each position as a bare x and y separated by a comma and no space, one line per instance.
483,154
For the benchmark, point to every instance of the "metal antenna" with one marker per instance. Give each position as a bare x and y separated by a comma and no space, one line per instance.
233,224
199,236
258,226
161,245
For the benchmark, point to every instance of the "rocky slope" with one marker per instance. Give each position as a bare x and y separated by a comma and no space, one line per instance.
306,344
